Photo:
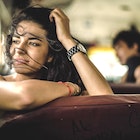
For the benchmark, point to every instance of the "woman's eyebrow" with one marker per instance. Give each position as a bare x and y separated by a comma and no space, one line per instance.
30,36
33,36
16,35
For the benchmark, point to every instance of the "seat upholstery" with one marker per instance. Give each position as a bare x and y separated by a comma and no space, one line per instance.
105,117
125,88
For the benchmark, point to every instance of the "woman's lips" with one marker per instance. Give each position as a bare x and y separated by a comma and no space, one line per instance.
20,61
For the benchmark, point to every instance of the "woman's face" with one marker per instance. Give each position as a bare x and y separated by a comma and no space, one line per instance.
29,47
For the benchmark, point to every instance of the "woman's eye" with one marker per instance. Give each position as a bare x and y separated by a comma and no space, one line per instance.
34,44
15,41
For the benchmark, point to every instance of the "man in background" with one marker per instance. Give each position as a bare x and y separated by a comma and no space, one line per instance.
127,47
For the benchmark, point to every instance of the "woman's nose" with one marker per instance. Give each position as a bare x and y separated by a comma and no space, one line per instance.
19,51
20,48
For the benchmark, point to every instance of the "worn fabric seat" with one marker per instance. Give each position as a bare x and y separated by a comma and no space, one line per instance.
105,117
125,88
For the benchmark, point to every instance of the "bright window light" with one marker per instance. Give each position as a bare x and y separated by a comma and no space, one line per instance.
105,60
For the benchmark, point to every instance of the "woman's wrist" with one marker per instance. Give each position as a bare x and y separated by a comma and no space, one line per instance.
72,90
69,43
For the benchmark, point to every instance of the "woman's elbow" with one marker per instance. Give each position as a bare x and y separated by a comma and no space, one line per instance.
25,99
24,102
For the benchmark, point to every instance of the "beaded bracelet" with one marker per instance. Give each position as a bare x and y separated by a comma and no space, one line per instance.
70,91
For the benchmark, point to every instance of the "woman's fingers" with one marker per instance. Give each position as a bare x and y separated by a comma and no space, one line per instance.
75,88
58,13
62,24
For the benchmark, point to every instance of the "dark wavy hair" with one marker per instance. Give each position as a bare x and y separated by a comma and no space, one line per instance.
60,68
130,37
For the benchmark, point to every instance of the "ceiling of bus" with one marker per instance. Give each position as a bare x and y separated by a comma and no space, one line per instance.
91,20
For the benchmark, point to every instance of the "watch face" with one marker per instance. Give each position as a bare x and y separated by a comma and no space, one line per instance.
82,48
75,49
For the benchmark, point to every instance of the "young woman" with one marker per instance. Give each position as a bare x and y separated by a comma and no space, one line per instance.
48,62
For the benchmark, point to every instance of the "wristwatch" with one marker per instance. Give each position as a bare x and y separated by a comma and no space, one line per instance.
78,48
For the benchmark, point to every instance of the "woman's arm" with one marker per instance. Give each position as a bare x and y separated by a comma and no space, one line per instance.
93,80
31,93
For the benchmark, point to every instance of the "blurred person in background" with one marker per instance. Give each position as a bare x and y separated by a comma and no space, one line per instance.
127,46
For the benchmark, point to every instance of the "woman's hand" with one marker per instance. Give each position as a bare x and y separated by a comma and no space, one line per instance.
62,26
74,89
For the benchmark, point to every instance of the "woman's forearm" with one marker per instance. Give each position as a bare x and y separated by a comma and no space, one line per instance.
93,80
29,94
